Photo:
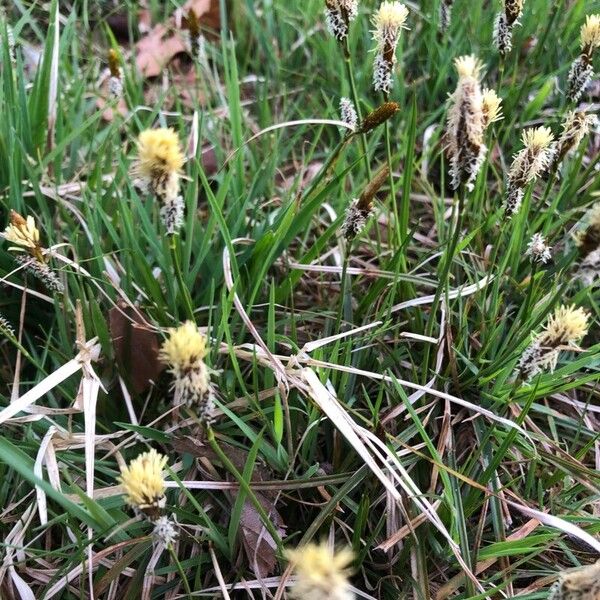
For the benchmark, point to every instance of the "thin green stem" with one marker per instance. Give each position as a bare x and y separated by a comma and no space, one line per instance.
186,583
356,101
345,305
530,289
445,272
210,436
179,275
388,150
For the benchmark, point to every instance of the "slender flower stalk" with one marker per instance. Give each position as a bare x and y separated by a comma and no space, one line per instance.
445,17
338,16
528,164
144,485
582,69
575,127
361,208
388,22
538,250
160,162
321,573
24,233
504,24
566,327
471,112
184,352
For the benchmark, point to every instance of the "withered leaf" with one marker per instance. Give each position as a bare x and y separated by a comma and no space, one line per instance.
155,50
136,347
258,544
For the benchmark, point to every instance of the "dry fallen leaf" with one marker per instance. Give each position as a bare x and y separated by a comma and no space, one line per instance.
156,49
258,544
136,348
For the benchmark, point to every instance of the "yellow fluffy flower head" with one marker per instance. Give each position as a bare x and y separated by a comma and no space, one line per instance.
22,232
590,34
321,573
184,347
389,19
468,66
538,138
566,327
492,107
143,481
159,152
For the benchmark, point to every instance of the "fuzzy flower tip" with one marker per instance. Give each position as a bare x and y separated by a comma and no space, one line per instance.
582,69
492,107
184,352
590,34
528,164
338,16
321,574
22,231
468,117
388,22
143,482
575,127
538,250
566,327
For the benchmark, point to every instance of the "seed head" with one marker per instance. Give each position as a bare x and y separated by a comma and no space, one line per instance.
492,107
575,127
348,113
528,164
445,15
160,161
588,240
513,9
538,250
388,22
184,347
22,232
590,35
379,116
184,352
580,75
6,328
164,531
338,16
566,327
582,584
143,482
466,123
321,574
588,270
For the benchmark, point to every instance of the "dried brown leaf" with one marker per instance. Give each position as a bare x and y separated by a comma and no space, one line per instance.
136,348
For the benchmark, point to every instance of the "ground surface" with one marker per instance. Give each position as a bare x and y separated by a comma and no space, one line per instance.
407,438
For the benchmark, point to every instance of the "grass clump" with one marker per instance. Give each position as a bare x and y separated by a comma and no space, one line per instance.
243,335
